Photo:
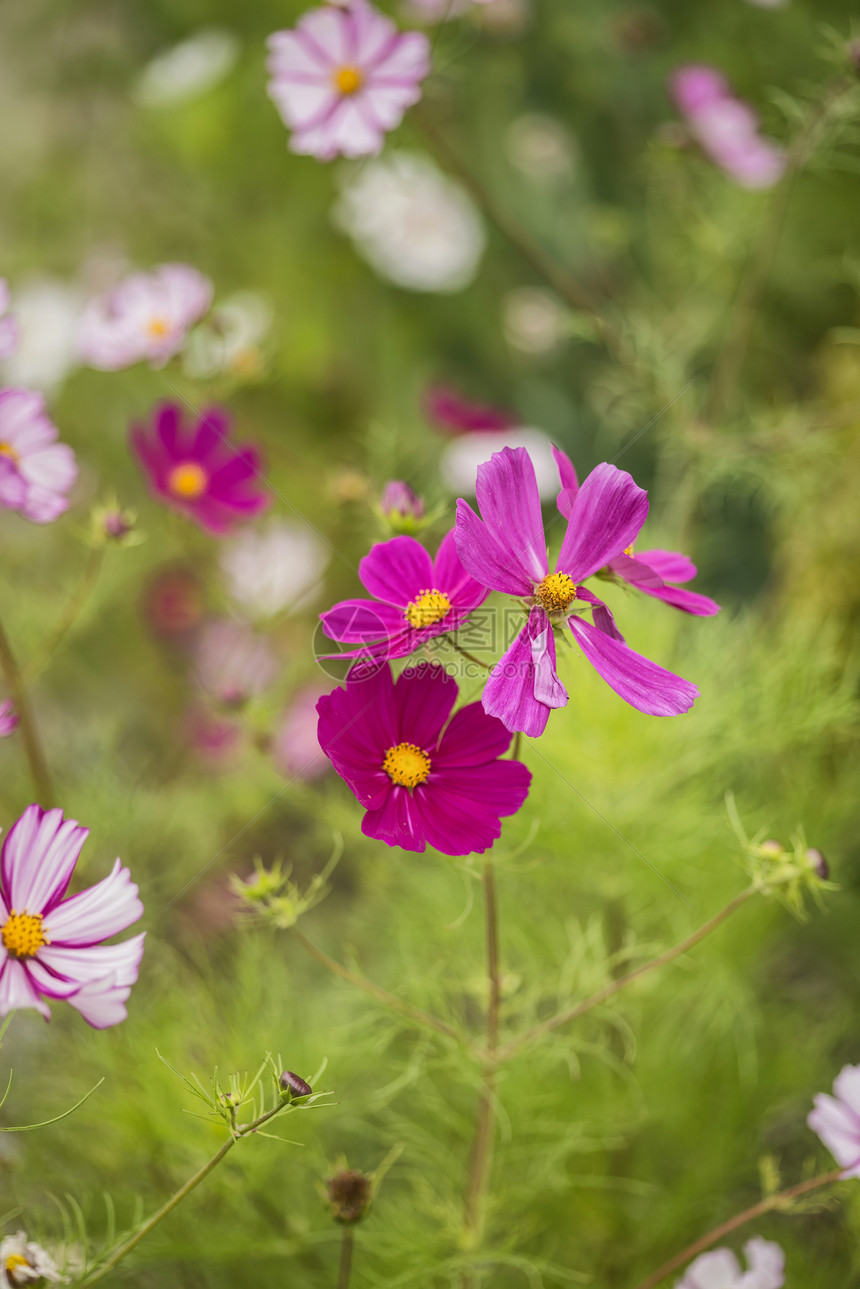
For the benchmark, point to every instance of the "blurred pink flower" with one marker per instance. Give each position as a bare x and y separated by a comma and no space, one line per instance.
50,946
148,315
8,323
198,471
233,662
173,602
213,737
836,1119
295,747
720,1269
726,128
8,719
449,412
343,78
400,504
36,472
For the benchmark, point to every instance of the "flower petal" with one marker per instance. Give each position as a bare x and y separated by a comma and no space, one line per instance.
510,691
397,821
606,515
461,813
355,621
569,482
638,681
450,577
509,501
485,558
38,858
471,738
17,989
397,571
424,697
101,911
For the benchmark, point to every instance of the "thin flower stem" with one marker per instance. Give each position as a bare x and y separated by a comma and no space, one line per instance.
615,987
487,666
745,307
70,615
781,1200
382,995
26,721
176,1198
562,282
474,1214
346,1246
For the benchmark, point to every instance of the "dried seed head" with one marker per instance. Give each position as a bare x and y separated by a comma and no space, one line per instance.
349,1195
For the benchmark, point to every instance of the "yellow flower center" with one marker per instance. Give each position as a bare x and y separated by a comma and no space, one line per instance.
407,765
157,328
188,480
556,592
628,550
22,934
348,80
6,450
427,608
15,1263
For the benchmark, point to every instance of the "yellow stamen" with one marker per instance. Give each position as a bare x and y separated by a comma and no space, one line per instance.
15,1263
348,80
6,450
427,608
628,550
407,765
22,934
188,480
556,592
157,328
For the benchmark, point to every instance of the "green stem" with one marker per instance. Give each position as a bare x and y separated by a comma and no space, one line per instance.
477,1187
615,986
26,722
381,995
70,615
126,1247
782,1199
487,666
346,1246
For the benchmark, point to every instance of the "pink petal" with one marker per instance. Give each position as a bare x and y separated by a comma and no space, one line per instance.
397,571
638,681
507,495
510,693
606,515
17,989
397,821
486,558
424,697
38,858
97,913
471,738
569,481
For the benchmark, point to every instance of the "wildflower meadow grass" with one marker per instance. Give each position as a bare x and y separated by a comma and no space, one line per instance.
428,663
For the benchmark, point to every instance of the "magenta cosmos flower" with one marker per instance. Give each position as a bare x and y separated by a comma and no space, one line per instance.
36,472
720,1269
450,413
421,776
147,316
198,471
656,572
836,1119
50,947
416,599
726,129
507,551
344,77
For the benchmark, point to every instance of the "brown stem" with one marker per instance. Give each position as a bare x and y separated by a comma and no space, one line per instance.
615,986
345,1268
485,1121
27,723
781,1200
744,310
382,995
544,265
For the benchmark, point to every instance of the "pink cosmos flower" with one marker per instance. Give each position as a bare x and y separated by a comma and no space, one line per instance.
344,77
416,598
8,719
836,1119
36,472
147,316
8,323
507,551
421,777
198,471
656,572
50,947
233,662
720,1269
450,413
726,128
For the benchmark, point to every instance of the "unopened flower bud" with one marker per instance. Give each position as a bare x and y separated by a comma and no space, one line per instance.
771,849
294,1085
117,524
349,1195
401,507
818,863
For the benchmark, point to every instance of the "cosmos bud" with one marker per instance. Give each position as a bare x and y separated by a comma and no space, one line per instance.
294,1085
818,863
401,508
349,1195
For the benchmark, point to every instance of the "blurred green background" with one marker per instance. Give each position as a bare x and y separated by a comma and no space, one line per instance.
625,1138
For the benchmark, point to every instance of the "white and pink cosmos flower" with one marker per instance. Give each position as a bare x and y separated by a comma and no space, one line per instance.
726,128
720,1269
836,1119
8,323
51,947
343,78
36,472
146,316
